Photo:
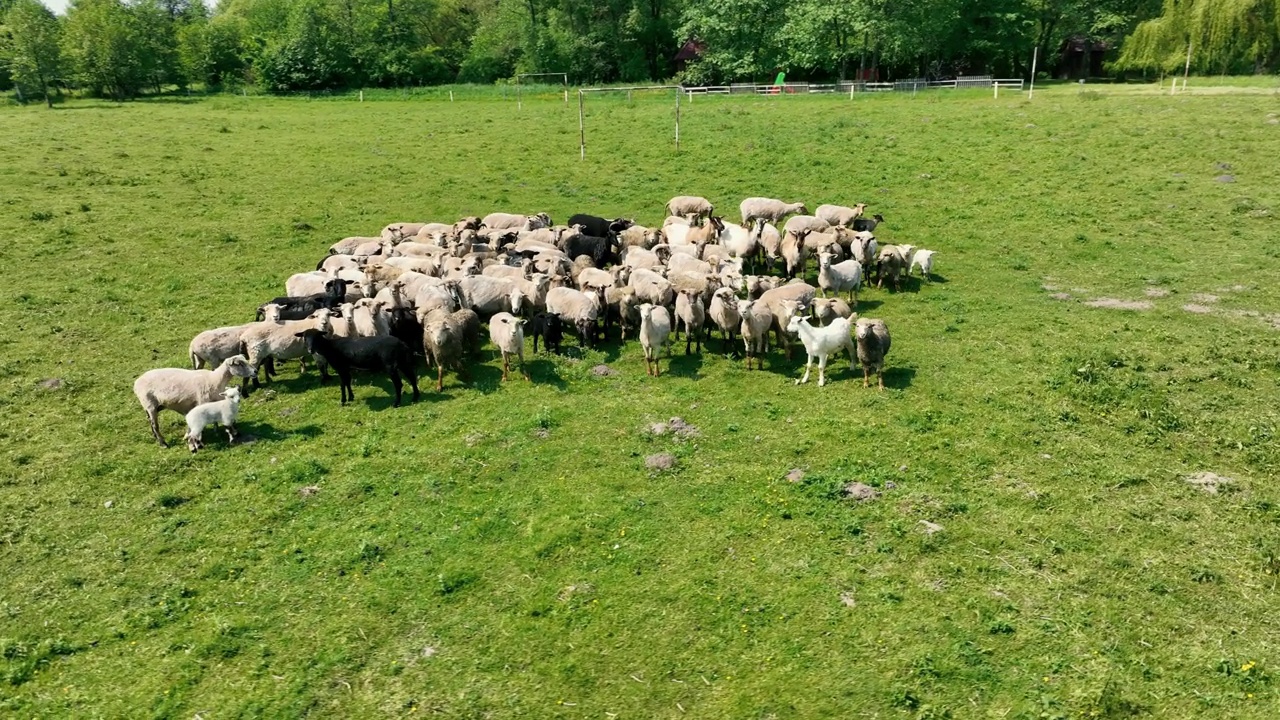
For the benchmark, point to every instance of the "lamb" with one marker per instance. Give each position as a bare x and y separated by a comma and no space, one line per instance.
724,313
796,223
369,318
756,321
689,205
840,215
868,224
576,307
222,411
923,259
758,208
822,342
548,327
839,277
383,354
863,247
655,332
873,345
825,310
490,295
692,313
506,331
181,390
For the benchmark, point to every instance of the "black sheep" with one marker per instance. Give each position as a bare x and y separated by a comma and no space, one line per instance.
599,249
867,224
301,307
383,353
600,227
548,327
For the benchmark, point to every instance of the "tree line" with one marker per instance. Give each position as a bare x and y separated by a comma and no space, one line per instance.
123,48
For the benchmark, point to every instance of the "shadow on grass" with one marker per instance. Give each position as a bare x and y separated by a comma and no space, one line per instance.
252,432
685,365
898,378
543,372
485,379
865,305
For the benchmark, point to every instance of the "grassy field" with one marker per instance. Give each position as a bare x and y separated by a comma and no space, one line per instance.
500,550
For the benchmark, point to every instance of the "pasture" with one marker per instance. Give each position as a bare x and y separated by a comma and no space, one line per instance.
1034,549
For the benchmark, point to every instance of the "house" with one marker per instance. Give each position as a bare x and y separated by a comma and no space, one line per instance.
690,52
1080,57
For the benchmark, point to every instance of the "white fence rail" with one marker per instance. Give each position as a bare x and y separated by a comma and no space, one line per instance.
910,85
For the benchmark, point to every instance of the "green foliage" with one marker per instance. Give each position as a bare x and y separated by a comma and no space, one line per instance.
1223,36
33,51
314,54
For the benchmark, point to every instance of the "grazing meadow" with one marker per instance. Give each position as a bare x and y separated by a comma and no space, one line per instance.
1067,502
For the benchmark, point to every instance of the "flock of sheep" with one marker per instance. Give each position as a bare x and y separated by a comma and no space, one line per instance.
375,303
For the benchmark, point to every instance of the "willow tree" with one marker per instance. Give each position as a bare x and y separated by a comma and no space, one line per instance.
1222,36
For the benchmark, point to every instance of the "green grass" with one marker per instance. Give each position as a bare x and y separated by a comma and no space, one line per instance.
500,550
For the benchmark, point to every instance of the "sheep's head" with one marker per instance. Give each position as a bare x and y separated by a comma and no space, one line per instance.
232,393
878,218
239,366
645,310
824,259
803,209
271,312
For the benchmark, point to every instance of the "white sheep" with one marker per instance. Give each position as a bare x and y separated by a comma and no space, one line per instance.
758,208
211,347
223,412
689,206
839,277
692,313
796,223
827,309
865,249
770,240
783,302
923,259
397,232
489,295
873,344
651,287
840,215
369,318
507,333
508,221
308,283
723,311
821,342
181,390
280,340
347,246
756,321
574,306
655,333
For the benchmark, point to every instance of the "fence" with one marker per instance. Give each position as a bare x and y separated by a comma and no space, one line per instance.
910,85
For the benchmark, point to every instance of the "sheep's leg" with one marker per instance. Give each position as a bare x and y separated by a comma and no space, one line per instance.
397,384
698,339
523,370
822,370
880,376
866,375
153,419
808,361
440,377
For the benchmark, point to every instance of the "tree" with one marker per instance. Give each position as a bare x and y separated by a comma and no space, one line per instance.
1223,36
35,58
825,35
741,36
312,55
102,42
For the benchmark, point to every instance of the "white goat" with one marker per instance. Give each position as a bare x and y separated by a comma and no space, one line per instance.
822,342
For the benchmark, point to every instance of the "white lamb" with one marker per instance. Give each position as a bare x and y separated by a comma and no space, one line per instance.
655,333
822,342
507,333
923,259
180,390
223,412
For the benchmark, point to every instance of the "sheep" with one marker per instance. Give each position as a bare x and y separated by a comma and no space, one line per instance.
600,227
863,247
816,243
576,307
794,251
796,223
703,284
308,283
889,264
756,321
724,313
840,215
333,263
429,231
922,259
821,342
826,310
506,331
211,347
638,257
344,325
490,295
622,303
382,354
873,344
770,241
223,412
687,263
437,297
507,221
599,249
279,341
692,313
699,237
419,250
511,272
651,287
655,333
783,302
839,277
640,236
757,285
868,224
548,327
442,341
181,390
347,246
299,308
369,318
396,232
689,205
761,209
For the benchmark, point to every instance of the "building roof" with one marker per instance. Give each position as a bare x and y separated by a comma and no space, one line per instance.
691,50
1083,43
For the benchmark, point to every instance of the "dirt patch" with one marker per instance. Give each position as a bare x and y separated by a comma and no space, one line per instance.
860,492
1114,304
308,490
661,461
931,528
846,599
1226,178
1208,482
51,383
473,439
796,475
1205,298
1224,166
603,371
1049,288
542,433
675,426
1157,292
1198,309
1232,288
1060,296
